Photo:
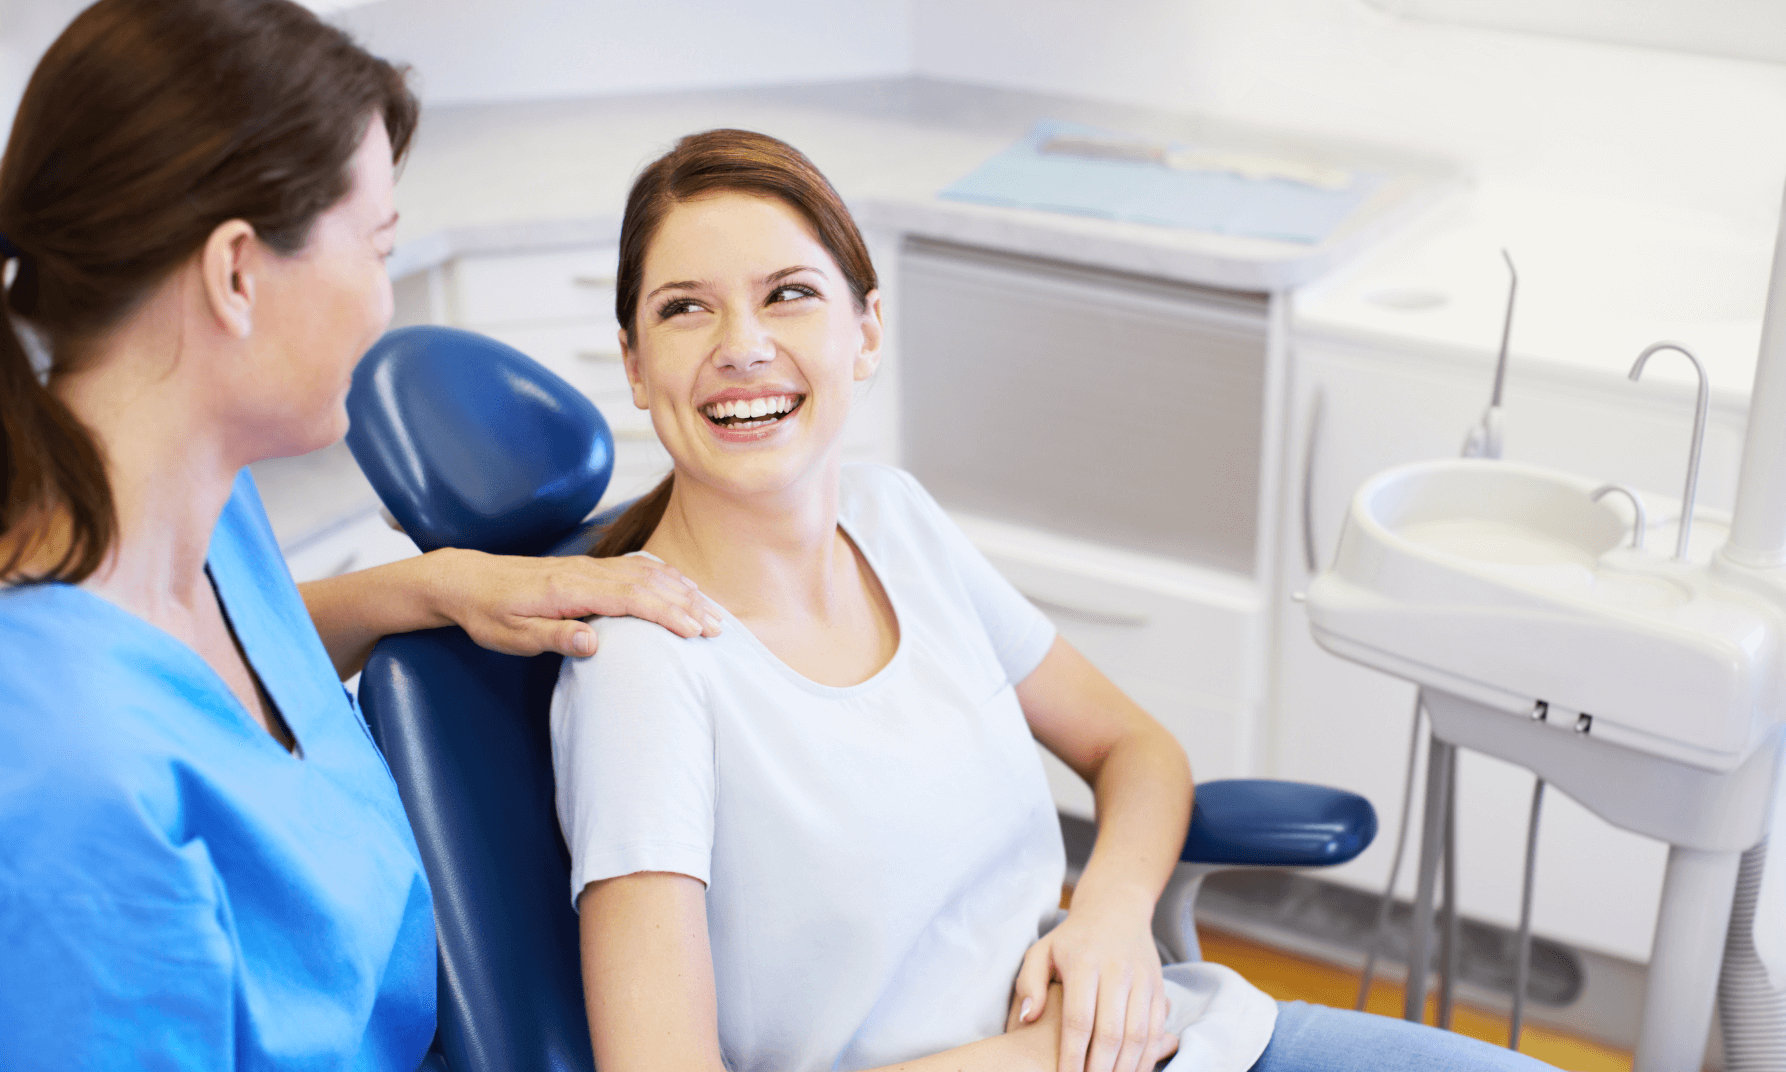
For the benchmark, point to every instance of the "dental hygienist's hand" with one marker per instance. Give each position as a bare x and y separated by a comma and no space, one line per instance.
515,605
525,606
1112,995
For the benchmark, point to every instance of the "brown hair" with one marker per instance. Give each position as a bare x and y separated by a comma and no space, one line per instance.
721,161
146,125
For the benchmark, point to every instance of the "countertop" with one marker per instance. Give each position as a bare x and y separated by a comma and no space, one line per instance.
1599,280
533,175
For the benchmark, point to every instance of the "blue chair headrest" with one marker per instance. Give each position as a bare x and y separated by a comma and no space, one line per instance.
470,398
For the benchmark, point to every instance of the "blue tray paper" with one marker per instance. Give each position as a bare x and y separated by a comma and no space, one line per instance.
1220,202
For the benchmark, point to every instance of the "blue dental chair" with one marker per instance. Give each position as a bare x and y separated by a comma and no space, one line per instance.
471,444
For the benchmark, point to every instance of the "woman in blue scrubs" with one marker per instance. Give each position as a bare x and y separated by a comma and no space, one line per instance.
203,860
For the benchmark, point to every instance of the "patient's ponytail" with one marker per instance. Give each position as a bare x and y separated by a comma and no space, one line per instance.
631,529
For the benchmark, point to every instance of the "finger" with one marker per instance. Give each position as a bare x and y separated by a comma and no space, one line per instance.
1137,1029
1111,1027
1029,995
1078,1016
1159,1043
576,639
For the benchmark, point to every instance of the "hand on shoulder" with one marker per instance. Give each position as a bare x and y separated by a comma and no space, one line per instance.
525,606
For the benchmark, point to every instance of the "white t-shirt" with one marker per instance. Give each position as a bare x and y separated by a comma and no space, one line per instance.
878,857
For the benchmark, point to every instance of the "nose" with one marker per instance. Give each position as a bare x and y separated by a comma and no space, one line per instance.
744,343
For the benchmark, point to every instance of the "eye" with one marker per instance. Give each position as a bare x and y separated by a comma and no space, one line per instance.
788,292
675,307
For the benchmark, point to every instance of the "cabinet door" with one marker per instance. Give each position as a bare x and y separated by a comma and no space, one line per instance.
1341,724
1179,641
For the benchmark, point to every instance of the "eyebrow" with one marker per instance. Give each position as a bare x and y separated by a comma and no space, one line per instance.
773,277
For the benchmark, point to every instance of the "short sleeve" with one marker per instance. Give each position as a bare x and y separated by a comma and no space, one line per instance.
633,754
1020,634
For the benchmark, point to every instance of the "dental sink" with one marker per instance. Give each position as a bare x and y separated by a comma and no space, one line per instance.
1508,585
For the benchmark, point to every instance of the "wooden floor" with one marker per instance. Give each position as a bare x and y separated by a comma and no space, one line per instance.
1288,977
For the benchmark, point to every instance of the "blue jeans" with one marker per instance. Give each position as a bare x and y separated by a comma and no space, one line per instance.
1314,1038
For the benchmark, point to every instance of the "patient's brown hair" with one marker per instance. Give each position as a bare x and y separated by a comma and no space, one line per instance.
712,162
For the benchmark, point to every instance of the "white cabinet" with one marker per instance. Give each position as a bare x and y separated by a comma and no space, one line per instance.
1366,409
356,543
1177,639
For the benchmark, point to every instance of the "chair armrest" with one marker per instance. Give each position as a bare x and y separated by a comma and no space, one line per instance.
1255,821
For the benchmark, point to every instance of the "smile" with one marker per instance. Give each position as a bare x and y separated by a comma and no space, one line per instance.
749,414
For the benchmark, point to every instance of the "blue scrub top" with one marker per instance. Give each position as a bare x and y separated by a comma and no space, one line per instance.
176,890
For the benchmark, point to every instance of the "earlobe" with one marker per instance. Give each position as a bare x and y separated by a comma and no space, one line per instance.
874,336
630,360
226,274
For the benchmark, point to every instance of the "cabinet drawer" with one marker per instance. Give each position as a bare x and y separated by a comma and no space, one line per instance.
1209,731
360,543
518,288
1127,629
585,354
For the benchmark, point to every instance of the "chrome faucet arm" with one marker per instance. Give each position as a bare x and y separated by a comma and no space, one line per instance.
1640,522
1701,404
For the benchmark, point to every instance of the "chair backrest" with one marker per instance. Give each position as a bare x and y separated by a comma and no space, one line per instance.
471,444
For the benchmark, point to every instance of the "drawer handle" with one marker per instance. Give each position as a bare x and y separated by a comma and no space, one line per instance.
600,357
1130,619
606,279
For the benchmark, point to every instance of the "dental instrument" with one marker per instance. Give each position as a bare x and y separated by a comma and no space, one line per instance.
1484,440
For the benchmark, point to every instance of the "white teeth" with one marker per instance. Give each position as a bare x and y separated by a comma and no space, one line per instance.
751,409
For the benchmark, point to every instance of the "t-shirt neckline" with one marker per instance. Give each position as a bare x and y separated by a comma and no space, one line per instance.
875,680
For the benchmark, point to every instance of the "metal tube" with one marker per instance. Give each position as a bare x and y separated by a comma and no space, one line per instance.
1522,962
1395,864
1450,945
1758,526
1432,836
1701,404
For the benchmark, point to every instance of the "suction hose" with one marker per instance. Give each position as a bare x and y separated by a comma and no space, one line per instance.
1752,1012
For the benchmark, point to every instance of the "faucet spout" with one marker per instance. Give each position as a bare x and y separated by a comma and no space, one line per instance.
1640,522
1701,404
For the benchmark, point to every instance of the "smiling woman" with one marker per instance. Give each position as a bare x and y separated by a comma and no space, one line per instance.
823,839
787,197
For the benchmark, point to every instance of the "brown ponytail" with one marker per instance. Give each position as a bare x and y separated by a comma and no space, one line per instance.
146,125
631,529
721,161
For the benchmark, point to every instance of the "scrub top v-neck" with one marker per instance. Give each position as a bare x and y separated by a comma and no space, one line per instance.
177,890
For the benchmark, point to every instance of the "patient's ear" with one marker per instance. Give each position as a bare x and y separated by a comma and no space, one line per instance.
874,335
630,359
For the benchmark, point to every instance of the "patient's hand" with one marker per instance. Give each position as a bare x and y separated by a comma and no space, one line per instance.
525,606
1110,1004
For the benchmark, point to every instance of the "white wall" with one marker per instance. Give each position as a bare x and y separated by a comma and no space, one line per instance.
1683,132
1687,134
26,28
472,50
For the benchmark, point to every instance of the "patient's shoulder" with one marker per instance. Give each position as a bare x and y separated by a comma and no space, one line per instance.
874,496
638,660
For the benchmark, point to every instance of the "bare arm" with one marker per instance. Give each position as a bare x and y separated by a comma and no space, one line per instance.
512,604
1104,952
648,986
